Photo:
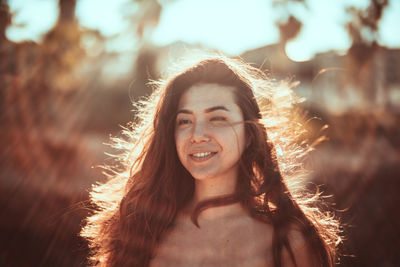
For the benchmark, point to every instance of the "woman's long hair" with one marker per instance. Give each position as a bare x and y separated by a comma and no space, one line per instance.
140,201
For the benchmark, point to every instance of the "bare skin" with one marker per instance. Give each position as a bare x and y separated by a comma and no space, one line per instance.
231,239
210,138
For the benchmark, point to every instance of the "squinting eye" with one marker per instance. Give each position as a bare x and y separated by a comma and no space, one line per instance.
218,118
184,121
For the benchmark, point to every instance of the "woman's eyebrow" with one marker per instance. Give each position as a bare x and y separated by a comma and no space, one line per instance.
185,111
208,110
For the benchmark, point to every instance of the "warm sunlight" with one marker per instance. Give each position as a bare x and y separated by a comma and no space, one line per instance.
156,132
229,26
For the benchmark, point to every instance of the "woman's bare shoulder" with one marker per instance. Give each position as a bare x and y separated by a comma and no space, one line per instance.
301,250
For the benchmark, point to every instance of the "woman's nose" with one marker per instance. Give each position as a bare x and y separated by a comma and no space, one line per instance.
200,133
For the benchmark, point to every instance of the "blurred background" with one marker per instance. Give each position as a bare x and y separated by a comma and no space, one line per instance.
70,70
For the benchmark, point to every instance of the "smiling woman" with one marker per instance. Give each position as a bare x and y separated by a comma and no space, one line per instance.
207,142
202,184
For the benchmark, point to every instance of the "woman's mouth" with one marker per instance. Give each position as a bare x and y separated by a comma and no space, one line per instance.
202,156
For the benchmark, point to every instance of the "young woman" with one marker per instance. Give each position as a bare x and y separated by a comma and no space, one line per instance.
204,180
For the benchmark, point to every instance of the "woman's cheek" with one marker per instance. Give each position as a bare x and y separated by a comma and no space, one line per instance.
180,137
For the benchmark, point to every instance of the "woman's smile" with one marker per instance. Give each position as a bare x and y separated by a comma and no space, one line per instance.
202,156
209,132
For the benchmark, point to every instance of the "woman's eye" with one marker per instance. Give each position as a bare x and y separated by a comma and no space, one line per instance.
218,118
184,121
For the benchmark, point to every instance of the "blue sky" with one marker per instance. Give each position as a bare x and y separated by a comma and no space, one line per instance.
232,26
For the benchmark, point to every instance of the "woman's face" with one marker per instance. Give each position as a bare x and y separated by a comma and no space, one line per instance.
209,131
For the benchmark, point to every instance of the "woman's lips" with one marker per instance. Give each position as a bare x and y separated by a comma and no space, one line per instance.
202,156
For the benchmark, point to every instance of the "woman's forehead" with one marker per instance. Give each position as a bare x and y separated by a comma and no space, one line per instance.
208,95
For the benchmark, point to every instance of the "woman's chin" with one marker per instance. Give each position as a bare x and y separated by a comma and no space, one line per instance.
202,176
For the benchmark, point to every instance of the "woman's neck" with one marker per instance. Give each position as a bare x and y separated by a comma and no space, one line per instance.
214,188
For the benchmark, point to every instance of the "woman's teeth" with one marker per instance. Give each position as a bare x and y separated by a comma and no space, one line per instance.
202,156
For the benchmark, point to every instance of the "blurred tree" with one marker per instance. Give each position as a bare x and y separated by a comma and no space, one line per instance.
6,48
61,49
145,20
365,55
148,16
366,58
288,24
289,29
5,19
363,28
273,57
42,160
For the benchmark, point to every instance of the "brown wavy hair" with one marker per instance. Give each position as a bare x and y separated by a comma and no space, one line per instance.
141,199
